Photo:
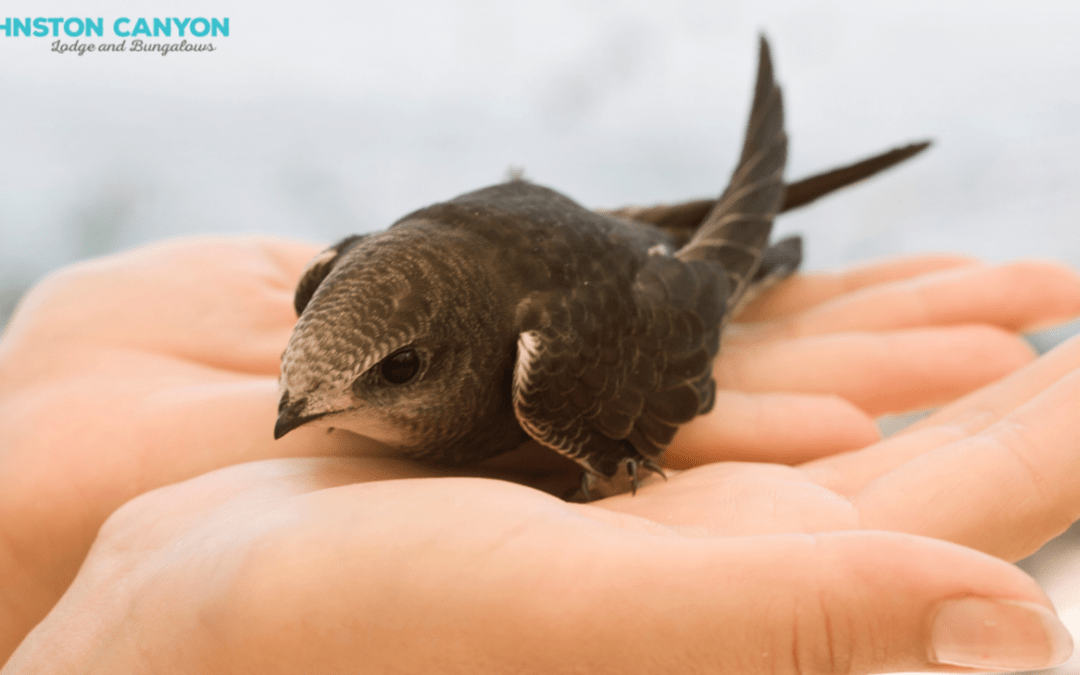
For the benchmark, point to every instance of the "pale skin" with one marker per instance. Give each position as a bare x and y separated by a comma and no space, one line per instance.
822,550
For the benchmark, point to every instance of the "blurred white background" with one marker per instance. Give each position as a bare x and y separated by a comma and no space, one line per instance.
322,118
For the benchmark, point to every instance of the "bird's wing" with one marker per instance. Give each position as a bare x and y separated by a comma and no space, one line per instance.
318,268
605,376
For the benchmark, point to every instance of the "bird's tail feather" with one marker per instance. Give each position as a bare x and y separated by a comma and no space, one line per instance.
682,220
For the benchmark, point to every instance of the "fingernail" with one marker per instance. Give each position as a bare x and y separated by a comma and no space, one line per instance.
998,634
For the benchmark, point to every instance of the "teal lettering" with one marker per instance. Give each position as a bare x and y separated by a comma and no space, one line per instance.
181,25
98,28
116,26
162,27
205,27
141,28
21,27
56,26
73,33
223,27
40,27
6,26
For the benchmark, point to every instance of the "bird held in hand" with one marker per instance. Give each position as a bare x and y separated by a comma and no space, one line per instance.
512,312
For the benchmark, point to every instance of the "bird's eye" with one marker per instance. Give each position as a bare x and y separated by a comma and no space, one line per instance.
401,366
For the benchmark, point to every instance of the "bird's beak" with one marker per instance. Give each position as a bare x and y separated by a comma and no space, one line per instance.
291,415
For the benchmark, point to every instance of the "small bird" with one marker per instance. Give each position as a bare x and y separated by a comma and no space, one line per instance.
512,312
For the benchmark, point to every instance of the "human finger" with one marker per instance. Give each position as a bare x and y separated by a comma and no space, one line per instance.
846,603
806,290
291,255
1018,296
226,303
993,401
965,417
771,427
1004,490
850,573
879,372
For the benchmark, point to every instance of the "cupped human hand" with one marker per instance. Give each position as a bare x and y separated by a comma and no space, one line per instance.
346,565
138,370
847,564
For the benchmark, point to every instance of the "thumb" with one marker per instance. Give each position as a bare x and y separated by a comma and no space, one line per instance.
852,602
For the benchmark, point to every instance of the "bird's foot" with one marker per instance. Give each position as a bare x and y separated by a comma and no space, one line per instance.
596,486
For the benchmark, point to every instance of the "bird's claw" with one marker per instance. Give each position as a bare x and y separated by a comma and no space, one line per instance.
645,463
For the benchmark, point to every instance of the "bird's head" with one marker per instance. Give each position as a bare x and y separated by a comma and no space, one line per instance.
399,339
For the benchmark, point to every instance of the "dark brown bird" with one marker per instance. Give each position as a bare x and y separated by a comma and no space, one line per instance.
509,312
